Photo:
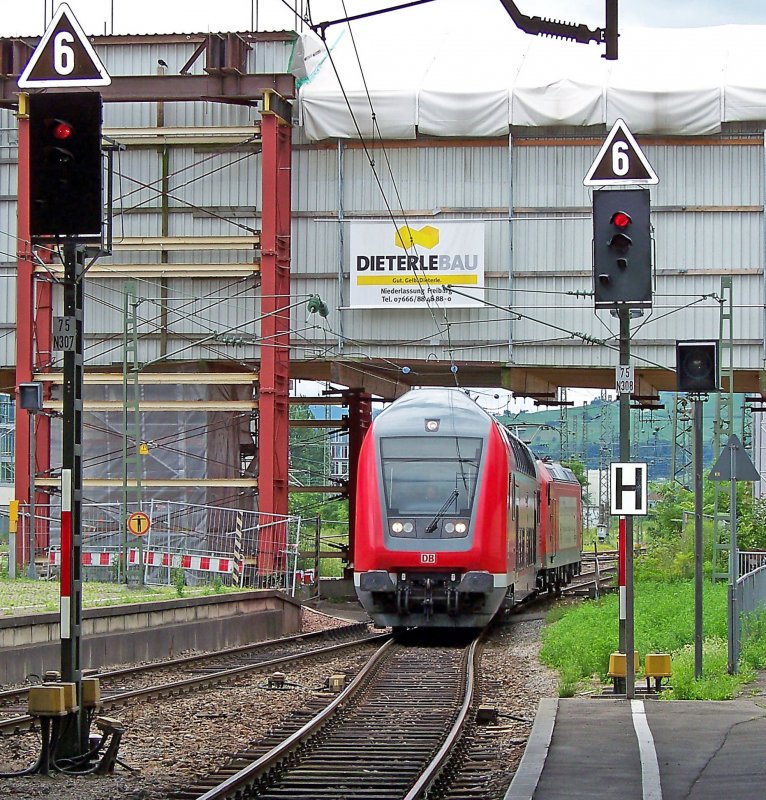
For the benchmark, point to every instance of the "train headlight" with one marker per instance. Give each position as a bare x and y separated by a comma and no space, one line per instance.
449,527
461,527
402,527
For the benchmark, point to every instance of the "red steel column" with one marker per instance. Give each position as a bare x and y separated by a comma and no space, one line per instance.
43,358
25,302
273,402
34,318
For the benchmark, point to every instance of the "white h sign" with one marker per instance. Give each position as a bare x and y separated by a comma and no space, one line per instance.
628,489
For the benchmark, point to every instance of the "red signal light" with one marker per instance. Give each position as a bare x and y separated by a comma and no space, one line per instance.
62,130
621,220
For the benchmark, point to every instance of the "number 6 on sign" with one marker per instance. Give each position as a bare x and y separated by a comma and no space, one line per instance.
63,55
620,158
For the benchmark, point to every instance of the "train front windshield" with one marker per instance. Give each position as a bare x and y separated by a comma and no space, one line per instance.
429,474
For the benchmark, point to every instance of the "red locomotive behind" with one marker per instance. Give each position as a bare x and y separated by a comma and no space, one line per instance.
454,516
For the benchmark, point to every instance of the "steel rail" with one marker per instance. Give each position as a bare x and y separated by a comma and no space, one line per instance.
250,773
180,661
26,721
431,773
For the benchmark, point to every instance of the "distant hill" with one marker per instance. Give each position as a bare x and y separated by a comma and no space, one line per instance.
588,425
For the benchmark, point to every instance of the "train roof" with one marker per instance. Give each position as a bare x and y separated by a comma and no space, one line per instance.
558,472
449,406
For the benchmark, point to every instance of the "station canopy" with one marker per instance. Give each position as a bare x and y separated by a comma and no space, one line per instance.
442,70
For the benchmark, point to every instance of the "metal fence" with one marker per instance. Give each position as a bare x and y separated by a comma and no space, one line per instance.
749,595
185,543
749,561
751,591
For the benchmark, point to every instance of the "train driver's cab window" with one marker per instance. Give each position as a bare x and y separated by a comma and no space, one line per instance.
430,474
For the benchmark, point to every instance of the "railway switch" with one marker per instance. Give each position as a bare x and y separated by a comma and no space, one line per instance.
70,696
617,667
656,667
91,692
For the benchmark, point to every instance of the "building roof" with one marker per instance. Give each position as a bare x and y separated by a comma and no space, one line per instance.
428,75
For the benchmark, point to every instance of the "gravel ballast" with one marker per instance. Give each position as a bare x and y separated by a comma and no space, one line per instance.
171,742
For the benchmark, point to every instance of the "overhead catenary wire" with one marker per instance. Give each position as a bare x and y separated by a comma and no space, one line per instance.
378,181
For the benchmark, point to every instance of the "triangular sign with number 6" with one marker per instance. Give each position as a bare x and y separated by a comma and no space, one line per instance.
620,160
64,57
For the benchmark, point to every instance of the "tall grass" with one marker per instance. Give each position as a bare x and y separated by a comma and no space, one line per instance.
579,642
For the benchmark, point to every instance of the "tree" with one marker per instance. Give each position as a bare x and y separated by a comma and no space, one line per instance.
309,466
581,474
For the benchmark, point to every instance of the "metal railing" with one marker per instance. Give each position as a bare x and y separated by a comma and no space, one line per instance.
196,544
751,591
749,561
749,595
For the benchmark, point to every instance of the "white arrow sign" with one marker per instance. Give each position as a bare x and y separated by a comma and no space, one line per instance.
64,57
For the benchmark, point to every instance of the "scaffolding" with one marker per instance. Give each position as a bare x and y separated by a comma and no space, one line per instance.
723,427
681,460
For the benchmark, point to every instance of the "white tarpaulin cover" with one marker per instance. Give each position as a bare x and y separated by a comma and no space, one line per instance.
438,70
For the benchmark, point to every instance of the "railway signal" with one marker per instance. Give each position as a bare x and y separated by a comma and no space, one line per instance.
697,366
65,152
622,248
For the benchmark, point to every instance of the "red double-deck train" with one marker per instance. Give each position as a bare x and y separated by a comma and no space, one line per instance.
455,518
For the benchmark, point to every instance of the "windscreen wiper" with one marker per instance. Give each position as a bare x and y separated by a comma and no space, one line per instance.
440,513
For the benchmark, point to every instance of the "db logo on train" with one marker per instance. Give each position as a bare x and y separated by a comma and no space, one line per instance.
428,558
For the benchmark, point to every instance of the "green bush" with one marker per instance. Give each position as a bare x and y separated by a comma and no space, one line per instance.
753,645
716,683
178,579
578,639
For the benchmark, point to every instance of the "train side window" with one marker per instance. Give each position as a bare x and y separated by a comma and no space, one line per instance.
512,494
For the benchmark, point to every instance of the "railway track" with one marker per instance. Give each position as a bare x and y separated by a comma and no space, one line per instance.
190,673
587,583
390,734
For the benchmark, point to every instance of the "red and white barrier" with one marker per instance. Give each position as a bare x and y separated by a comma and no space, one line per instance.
153,558
304,577
156,558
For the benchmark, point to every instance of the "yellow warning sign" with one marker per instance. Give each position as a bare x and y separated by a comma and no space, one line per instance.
139,523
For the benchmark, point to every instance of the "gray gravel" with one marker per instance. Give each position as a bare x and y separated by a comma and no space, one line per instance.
170,742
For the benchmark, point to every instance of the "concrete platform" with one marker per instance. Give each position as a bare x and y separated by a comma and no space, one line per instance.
127,634
645,749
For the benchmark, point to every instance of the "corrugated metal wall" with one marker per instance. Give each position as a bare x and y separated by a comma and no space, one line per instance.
707,215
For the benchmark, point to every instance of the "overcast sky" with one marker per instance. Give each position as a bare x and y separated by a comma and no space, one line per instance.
163,16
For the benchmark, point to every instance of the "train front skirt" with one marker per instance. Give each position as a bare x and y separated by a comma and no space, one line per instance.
430,598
